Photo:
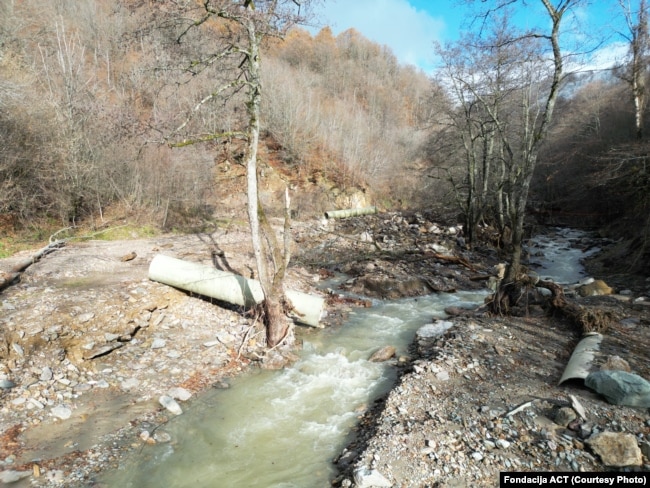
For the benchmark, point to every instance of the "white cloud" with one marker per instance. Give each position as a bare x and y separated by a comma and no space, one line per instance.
409,32
602,59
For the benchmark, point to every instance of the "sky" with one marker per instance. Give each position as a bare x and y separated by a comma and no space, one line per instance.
410,27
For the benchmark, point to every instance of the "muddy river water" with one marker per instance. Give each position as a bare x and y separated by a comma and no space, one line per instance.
283,428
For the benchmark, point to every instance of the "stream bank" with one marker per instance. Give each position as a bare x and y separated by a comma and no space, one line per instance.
74,416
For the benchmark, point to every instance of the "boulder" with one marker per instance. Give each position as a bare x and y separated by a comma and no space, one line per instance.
616,449
383,354
620,387
596,287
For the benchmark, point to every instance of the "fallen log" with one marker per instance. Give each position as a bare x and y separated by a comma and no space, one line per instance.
589,320
6,279
229,287
350,212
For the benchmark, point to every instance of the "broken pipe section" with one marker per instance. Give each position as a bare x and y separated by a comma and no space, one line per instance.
582,359
228,287
351,212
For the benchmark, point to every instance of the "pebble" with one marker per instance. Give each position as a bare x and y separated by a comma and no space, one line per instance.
179,394
11,476
62,412
86,317
46,374
170,405
502,443
6,384
158,343
19,349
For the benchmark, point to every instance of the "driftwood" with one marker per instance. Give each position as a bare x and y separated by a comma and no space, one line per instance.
7,278
589,320
452,259
511,294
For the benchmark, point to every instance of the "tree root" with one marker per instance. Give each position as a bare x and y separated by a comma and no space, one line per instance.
510,294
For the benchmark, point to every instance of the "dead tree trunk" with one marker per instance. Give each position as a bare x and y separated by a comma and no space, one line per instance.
8,278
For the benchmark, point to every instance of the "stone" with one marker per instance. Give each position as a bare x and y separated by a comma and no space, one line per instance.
620,388
370,478
170,405
158,343
62,412
11,476
179,394
383,354
616,449
36,403
86,317
6,384
502,443
595,288
46,374
96,351
565,416
162,437
616,363
19,349
477,456
442,375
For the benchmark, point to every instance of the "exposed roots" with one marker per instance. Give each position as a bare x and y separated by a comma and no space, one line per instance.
510,295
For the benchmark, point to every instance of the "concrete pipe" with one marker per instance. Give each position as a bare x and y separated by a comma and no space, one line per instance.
229,287
351,212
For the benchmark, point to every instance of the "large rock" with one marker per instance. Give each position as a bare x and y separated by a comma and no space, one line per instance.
596,287
616,449
620,388
383,354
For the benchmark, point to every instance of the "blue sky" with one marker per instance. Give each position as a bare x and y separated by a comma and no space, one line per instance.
410,27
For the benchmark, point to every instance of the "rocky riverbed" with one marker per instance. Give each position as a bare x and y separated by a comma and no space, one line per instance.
89,347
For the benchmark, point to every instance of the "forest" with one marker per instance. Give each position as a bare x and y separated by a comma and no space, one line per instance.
98,108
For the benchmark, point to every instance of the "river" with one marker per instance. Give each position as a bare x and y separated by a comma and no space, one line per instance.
281,429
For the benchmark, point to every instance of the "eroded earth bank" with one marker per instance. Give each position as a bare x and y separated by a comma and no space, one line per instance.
88,345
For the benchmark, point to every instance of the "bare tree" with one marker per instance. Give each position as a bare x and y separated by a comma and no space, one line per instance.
636,70
519,123
244,26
